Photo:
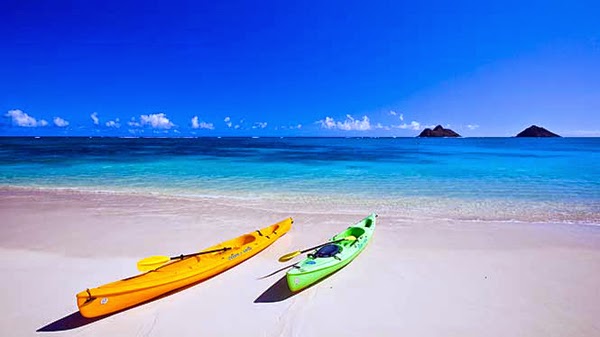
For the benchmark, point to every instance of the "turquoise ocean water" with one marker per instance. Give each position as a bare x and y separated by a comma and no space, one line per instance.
554,179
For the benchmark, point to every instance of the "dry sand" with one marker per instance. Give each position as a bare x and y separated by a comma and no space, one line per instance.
417,277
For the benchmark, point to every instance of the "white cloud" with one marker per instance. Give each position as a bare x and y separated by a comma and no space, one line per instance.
61,123
196,124
156,121
259,125
381,126
394,113
22,119
209,126
289,127
227,121
414,125
113,124
327,123
472,126
133,122
136,131
348,124
94,117
352,124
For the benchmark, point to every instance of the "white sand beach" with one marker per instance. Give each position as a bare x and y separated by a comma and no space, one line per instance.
417,277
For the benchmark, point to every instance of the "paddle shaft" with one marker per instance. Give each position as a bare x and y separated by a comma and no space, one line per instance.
200,253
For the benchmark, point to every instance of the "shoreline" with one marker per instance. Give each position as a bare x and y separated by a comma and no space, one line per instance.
411,209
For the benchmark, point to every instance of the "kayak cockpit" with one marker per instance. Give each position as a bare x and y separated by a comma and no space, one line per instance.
357,232
246,239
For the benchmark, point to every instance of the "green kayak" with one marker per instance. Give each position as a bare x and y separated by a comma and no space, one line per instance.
333,256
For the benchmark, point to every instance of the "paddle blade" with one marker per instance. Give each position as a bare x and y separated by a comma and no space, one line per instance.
289,256
152,262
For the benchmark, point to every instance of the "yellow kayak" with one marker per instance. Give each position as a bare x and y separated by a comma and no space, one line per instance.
123,294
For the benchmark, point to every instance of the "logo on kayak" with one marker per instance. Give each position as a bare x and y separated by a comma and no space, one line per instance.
236,255
311,262
296,281
104,300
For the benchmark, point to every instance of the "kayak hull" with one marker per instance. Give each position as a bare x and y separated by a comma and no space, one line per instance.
313,269
129,292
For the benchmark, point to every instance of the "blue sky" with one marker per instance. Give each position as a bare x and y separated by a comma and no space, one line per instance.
306,68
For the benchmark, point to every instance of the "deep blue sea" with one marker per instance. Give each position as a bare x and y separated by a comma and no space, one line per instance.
557,179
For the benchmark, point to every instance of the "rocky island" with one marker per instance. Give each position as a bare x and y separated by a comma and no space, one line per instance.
536,131
438,131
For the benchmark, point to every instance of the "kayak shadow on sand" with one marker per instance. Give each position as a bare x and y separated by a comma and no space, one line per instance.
69,322
280,291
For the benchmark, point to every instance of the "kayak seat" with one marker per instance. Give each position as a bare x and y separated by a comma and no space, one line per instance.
246,239
328,251
276,227
357,232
